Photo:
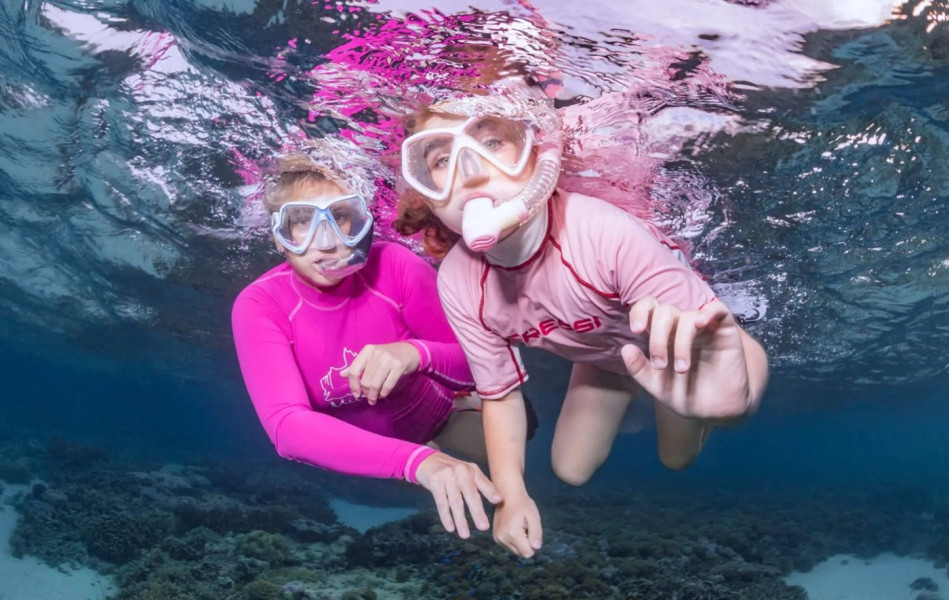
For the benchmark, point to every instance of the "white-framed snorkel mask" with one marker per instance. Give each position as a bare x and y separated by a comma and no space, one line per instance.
326,224
432,159
505,129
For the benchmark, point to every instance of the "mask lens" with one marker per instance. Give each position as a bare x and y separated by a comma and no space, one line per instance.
351,217
324,224
501,139
429,158
294,227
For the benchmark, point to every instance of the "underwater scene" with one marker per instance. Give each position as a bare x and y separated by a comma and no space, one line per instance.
797,151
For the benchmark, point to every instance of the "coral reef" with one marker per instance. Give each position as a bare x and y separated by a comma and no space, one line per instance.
208,532
271,548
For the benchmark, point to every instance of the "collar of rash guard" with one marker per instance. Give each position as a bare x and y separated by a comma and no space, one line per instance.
326,298
517,248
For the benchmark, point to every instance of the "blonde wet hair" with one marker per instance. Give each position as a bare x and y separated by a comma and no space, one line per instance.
319,163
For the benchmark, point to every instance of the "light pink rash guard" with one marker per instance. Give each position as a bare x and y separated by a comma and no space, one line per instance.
293,340
572,297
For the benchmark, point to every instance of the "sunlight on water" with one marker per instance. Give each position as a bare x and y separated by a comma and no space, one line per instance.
796,148
764,148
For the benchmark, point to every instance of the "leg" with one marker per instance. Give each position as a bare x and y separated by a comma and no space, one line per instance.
464,435
589,420
680,439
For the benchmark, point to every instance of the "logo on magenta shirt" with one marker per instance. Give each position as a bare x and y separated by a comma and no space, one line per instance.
336,390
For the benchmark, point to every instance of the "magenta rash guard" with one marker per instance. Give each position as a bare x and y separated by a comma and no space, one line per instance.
293,340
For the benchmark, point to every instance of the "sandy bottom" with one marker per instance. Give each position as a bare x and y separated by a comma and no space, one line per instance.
361,517
885,577
28,579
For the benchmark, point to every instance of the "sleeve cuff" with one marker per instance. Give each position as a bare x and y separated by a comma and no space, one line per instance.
416,458
425,363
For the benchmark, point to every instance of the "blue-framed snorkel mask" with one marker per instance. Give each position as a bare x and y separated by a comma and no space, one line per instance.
327,224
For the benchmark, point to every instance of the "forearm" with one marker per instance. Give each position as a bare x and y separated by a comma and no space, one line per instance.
756,368
505,427
323,441
756,361
445,363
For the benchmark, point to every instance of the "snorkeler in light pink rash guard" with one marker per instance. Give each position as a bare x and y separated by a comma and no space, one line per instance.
345,351
571,274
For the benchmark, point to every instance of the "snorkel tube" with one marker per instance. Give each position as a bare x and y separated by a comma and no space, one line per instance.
482,221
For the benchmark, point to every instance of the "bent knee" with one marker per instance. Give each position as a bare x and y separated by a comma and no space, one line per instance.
573,476
573,472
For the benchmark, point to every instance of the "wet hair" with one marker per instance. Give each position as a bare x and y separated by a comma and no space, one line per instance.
331,160
290,176
413,215
521,100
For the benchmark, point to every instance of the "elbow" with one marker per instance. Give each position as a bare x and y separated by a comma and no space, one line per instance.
280,444
677,461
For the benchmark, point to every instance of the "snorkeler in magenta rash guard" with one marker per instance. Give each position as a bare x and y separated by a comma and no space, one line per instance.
571,274
344,348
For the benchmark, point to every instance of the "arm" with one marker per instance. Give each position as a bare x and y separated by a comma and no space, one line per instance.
298,432
756,361
701,363
498,373
697,360
517,524
441,355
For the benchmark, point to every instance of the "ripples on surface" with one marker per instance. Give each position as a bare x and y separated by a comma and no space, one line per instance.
820,190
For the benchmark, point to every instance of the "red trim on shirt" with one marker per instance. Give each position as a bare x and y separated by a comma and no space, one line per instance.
580,280
485,269
521,377
540,249
503,389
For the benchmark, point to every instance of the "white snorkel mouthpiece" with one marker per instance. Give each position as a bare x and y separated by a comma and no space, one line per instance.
506,128
483,222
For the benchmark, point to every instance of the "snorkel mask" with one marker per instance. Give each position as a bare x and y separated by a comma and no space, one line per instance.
326,223
503,129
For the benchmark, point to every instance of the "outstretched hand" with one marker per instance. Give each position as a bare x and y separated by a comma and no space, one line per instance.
696,365
376,370
456,484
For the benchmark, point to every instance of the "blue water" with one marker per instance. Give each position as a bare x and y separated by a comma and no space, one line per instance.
121,250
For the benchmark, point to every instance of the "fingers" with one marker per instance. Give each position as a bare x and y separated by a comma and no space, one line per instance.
472,492
641,313
457,487
451,506
444,509
658,322
487,488
392,378
635,359
671,333
372,380
524,536
374,373
535,533
354,371
456,502
712,315
380,378
661,331
685,333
